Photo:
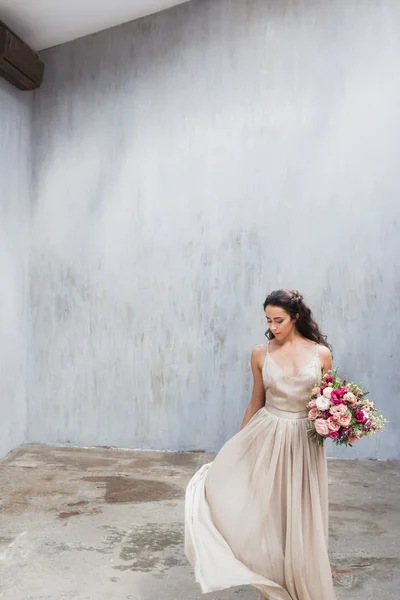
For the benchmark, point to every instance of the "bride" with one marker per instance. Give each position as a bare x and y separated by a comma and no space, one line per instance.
258,514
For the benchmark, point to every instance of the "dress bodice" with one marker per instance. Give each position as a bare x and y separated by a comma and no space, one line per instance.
286,393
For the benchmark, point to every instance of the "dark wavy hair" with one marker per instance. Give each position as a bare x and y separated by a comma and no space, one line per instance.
293,303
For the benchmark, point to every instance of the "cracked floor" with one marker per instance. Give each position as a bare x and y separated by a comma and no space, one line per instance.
106,524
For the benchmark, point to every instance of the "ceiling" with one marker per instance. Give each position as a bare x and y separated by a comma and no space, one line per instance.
45,23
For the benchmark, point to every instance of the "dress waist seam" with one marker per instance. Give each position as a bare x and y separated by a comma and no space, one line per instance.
286,414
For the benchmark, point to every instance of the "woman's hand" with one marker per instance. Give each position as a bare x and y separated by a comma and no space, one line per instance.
327,364
353,439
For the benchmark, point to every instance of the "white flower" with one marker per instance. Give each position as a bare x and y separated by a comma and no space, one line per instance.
327,392
322,403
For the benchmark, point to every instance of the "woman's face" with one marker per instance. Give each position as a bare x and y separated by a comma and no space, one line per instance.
279,322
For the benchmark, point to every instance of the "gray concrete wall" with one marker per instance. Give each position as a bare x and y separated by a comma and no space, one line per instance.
185,165
15,172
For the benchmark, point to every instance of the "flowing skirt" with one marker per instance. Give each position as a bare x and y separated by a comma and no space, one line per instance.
258,514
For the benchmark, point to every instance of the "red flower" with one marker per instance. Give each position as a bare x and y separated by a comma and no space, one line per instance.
335,398
341,392
334,435
329,379
359,416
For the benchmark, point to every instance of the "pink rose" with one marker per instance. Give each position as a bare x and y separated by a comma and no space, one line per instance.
311,404
313,414
321,427
339,409
333,424
345,420
350,398
334,435
359,416
329,379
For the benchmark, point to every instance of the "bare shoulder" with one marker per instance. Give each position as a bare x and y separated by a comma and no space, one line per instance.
258,355
324,352
325,357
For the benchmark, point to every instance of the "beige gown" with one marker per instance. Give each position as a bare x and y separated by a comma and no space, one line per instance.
258,514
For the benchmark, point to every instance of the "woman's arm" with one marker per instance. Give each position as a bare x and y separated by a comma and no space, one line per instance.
325,358
258,396
326,362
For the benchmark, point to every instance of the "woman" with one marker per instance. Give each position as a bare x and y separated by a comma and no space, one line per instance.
258,515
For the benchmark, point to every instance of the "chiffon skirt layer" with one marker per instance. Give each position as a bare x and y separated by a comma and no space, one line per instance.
258,514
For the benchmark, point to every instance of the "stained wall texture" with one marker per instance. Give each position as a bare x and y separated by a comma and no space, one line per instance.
15,174
185,165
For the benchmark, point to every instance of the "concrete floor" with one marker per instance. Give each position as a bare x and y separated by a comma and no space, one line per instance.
105,524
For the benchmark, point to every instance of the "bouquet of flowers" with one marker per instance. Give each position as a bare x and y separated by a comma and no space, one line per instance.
341,411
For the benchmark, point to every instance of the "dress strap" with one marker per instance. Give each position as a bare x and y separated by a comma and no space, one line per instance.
317,350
